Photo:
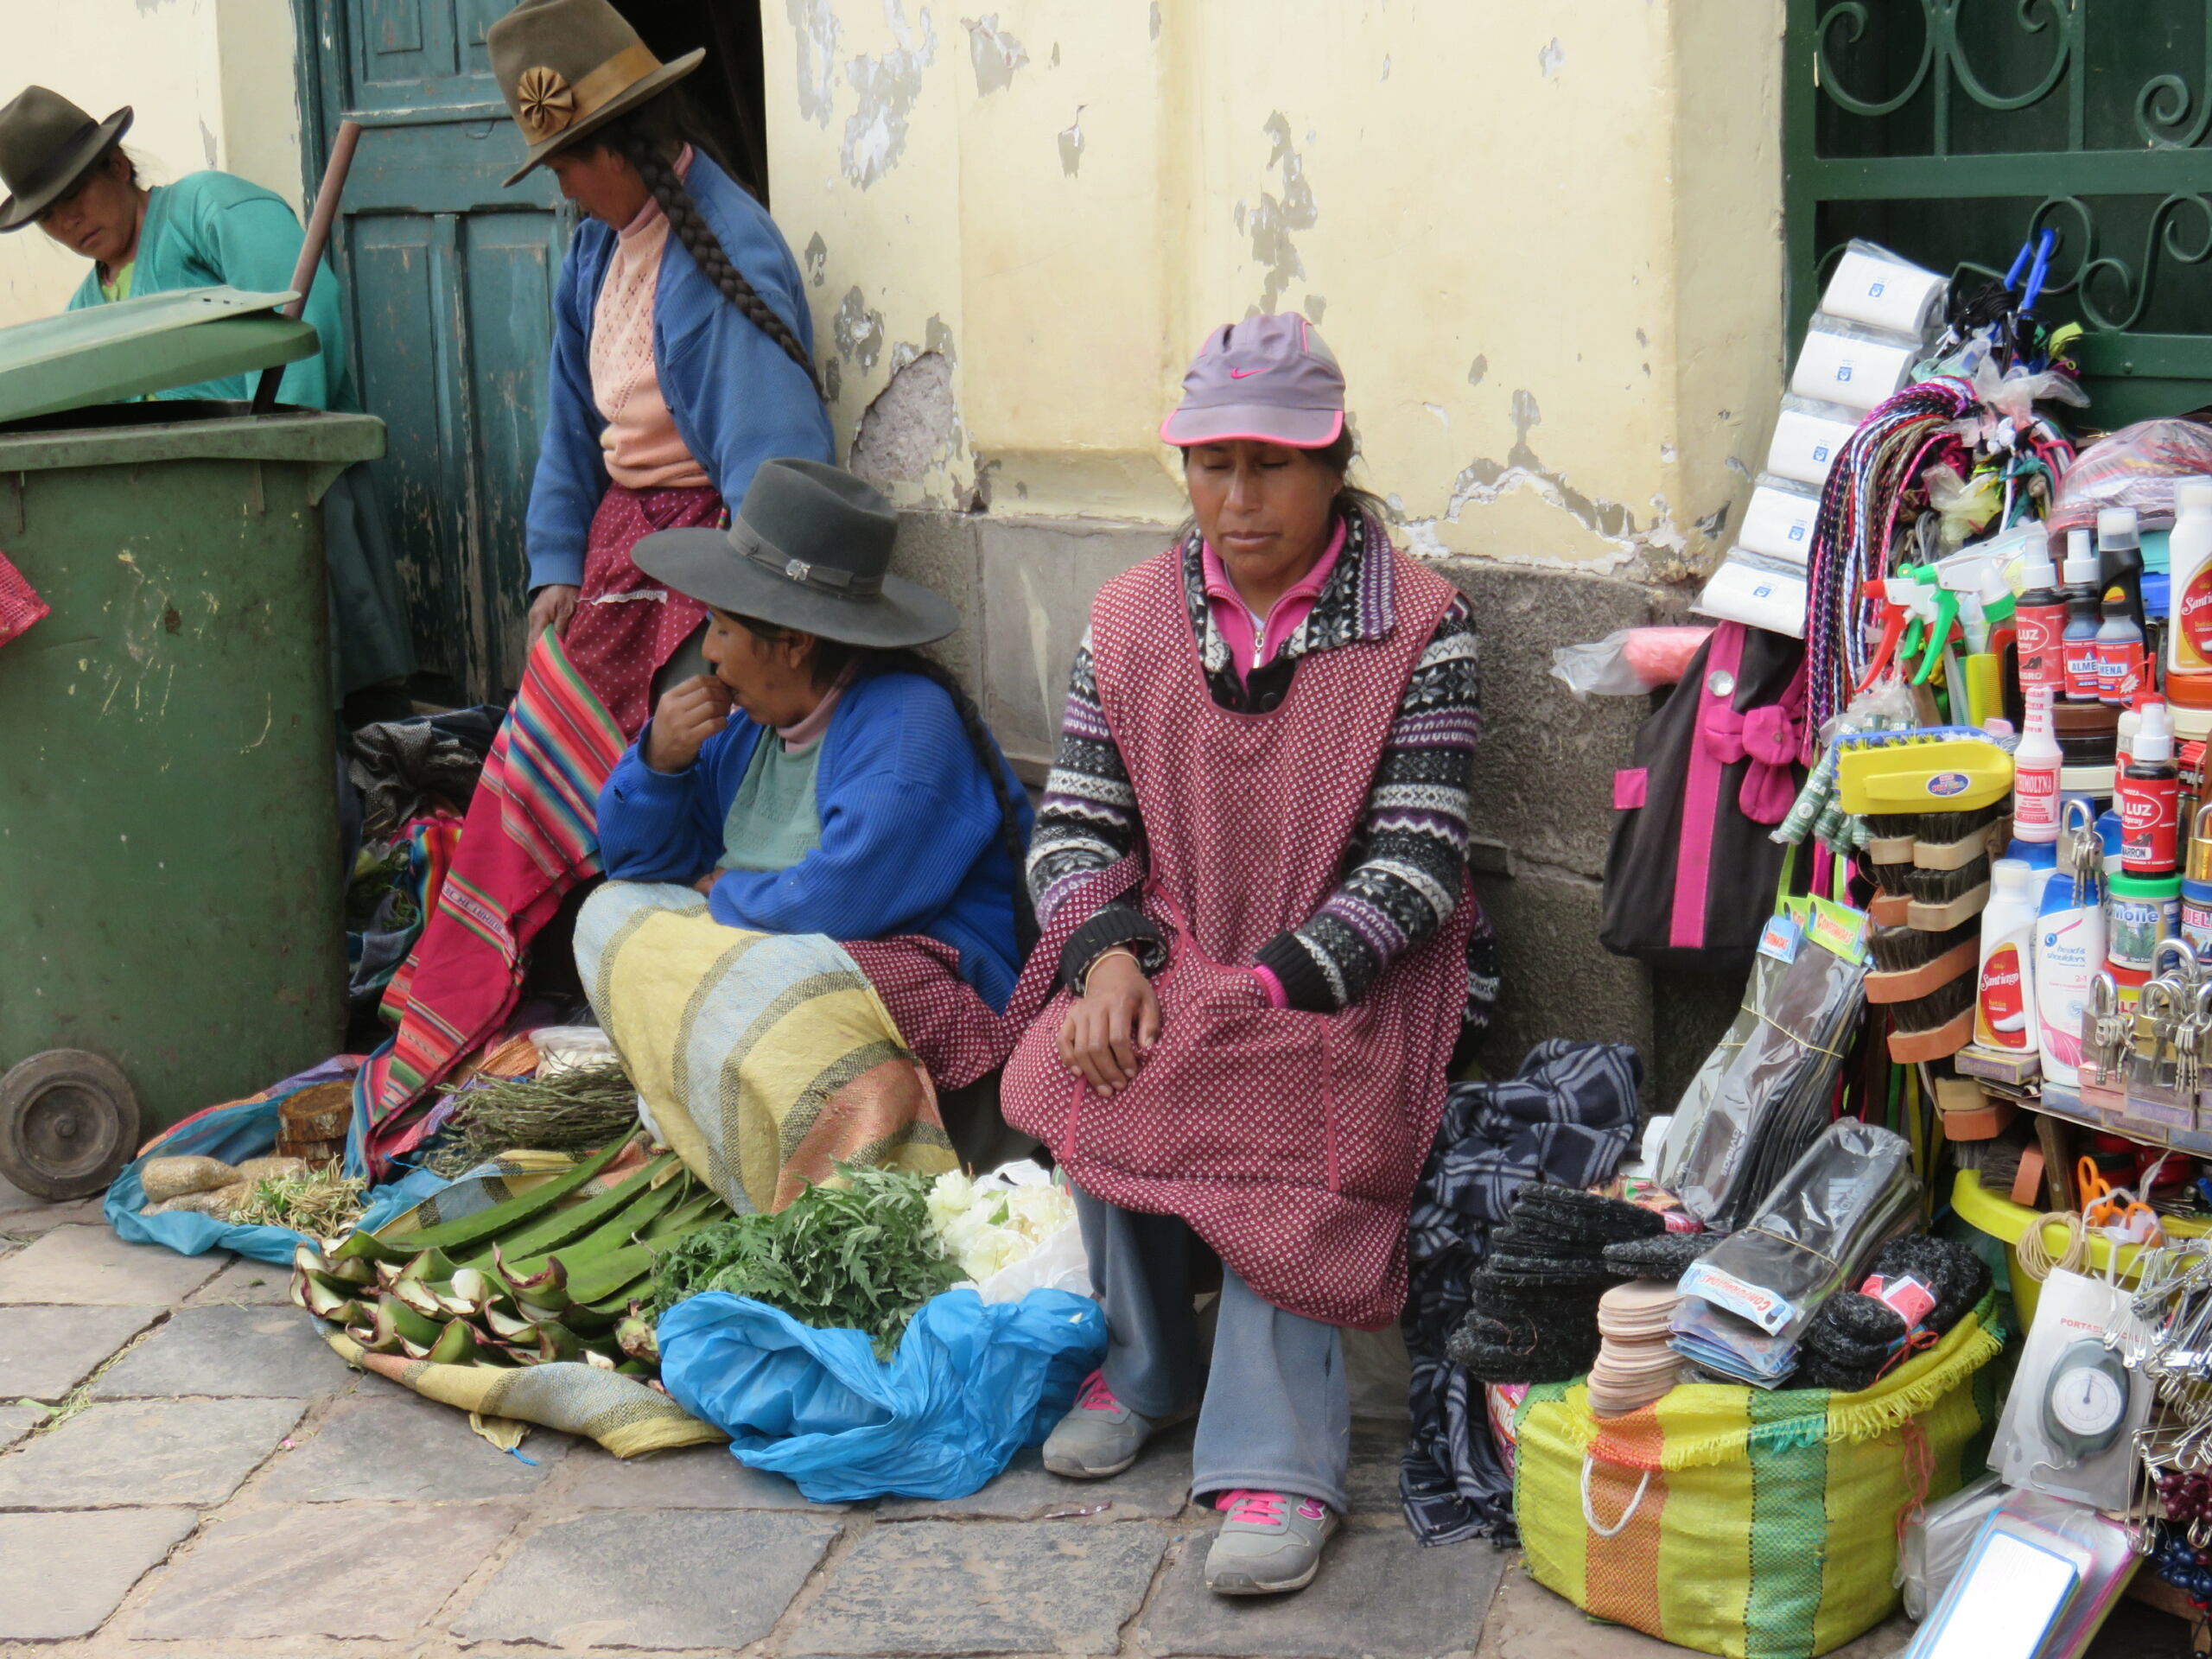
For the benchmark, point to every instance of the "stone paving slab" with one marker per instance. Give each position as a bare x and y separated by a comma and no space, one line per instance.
145,1451
274,1351
1379,1594
92,1265
935,1587
15,1421
245,1281
406,1449
46,1351
1373,1484
689,1478
363,1570
1526,1621
1156,1487
61,1575
24,1217
679,1578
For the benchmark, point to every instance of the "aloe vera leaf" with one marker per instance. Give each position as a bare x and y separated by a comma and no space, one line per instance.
359,1271
636,1336
600,1279
547,1288
565,1226
380,1335
467,1232
474,1287
428,1267
597,1361
556,1343
636,1368
507,1328
693,1212
586,1320
326,1303
412,1293
613,1233
411,1326
358,1246
309,1256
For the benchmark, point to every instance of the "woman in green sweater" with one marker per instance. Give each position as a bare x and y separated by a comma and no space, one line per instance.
69,174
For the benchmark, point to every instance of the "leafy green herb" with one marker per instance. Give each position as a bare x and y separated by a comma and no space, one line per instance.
860,1256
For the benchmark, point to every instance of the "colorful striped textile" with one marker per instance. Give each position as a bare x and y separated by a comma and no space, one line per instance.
1750,1524
764,1059
528,839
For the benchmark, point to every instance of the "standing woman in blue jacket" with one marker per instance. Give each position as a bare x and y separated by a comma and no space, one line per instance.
681,359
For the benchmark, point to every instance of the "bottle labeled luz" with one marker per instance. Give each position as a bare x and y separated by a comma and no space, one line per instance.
2150,798
2039,617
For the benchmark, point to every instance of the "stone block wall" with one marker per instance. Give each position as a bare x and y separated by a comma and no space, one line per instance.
1543,774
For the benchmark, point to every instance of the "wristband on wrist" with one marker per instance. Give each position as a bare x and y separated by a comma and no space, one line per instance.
1091,966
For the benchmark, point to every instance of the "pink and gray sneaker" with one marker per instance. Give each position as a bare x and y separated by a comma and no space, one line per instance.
1271,1542
1101,1436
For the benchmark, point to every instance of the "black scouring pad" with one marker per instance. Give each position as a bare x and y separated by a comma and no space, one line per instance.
1663,1255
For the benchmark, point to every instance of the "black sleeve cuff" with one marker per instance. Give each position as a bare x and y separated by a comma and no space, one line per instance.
1114,924
1304,985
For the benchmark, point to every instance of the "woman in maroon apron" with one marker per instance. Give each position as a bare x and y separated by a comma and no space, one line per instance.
1251,859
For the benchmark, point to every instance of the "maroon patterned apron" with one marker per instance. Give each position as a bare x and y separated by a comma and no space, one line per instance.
1289,1140
627,625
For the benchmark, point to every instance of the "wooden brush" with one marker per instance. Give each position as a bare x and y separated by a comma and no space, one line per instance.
1910,963
1932,1027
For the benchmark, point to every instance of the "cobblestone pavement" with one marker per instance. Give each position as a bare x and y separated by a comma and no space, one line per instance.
215,1482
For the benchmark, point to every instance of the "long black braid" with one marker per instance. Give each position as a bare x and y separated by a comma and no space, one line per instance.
650,138
831,658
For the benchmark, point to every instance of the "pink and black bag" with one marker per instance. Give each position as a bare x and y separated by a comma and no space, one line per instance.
1690,877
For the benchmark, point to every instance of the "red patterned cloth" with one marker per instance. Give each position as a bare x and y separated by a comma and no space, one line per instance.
627,625
1291,1142
20,604
945,1024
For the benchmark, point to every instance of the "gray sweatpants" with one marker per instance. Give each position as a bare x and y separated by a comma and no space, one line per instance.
1277,1412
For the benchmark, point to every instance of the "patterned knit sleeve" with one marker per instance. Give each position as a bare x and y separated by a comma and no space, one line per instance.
1410,856
1088,822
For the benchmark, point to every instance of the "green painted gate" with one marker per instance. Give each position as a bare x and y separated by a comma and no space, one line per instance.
1953,130
449,280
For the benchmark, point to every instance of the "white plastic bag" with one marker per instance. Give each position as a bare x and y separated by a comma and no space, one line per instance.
1055,1262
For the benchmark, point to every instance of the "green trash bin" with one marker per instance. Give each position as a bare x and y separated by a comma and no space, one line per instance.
170,895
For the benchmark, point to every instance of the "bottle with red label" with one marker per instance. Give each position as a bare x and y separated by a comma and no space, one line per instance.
2036,766
2039,614
2080,640
2119,650
2004,1016
2150,798
2189,631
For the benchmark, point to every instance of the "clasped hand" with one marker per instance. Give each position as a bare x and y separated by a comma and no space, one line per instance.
1112,1026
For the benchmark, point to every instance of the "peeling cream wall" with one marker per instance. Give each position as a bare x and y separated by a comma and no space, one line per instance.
213,84
1542,236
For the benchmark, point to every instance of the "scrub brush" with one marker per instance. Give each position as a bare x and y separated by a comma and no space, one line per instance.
1930,1027
1908,963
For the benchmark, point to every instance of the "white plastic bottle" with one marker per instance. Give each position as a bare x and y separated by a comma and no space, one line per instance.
2189,549
2004,1017
2035,765
2070,952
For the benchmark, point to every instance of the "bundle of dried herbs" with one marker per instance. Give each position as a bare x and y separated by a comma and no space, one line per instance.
562,1111
860,1256
321,1202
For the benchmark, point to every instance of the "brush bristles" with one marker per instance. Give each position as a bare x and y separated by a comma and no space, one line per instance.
1941,886
1900,950
1939,1007
1893,878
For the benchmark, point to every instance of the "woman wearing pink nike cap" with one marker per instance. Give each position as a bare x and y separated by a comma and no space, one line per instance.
1251,862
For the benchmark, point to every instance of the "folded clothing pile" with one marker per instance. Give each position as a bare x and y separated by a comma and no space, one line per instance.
1749,1300
1533,1306
1920,1288
1635,1365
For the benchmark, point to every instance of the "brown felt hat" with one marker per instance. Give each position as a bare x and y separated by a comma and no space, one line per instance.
568,67
47,143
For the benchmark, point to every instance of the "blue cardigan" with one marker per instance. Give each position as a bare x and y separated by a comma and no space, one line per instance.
736,398
910,831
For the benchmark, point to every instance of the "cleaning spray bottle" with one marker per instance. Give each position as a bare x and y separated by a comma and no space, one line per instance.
2039,617
2188,634
2035,766
2149,791
2082,618
2004,1001
2069,944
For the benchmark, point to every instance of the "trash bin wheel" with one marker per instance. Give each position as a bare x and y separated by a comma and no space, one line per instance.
69,1124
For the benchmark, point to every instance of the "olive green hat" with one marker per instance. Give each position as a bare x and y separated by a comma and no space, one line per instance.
566,67
46,144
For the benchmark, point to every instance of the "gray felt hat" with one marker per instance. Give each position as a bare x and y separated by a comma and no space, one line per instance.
46,144
811,549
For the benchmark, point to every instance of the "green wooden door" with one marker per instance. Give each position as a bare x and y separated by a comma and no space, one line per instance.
449,280
1952,130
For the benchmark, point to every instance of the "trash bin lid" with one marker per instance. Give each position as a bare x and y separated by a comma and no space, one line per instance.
105,353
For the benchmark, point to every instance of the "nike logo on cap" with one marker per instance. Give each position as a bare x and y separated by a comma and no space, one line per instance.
1244,374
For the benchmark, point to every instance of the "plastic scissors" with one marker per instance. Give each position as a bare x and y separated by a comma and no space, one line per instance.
2104,1204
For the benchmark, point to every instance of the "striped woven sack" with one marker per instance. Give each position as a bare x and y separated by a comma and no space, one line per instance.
1736,1521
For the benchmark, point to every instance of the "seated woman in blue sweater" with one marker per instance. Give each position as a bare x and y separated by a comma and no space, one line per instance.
815,914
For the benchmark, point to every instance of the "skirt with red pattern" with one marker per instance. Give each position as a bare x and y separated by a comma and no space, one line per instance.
627,625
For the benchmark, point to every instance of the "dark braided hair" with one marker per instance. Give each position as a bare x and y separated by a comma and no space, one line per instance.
830,657
651,138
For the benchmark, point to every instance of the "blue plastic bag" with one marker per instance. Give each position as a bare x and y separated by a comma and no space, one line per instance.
970,1385
235,1133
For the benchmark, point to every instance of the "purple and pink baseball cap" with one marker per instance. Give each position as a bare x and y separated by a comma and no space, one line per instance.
1269,378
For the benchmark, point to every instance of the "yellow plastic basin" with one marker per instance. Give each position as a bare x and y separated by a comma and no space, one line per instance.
2008,1222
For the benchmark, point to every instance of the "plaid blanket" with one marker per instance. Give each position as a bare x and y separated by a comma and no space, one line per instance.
1566,1118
